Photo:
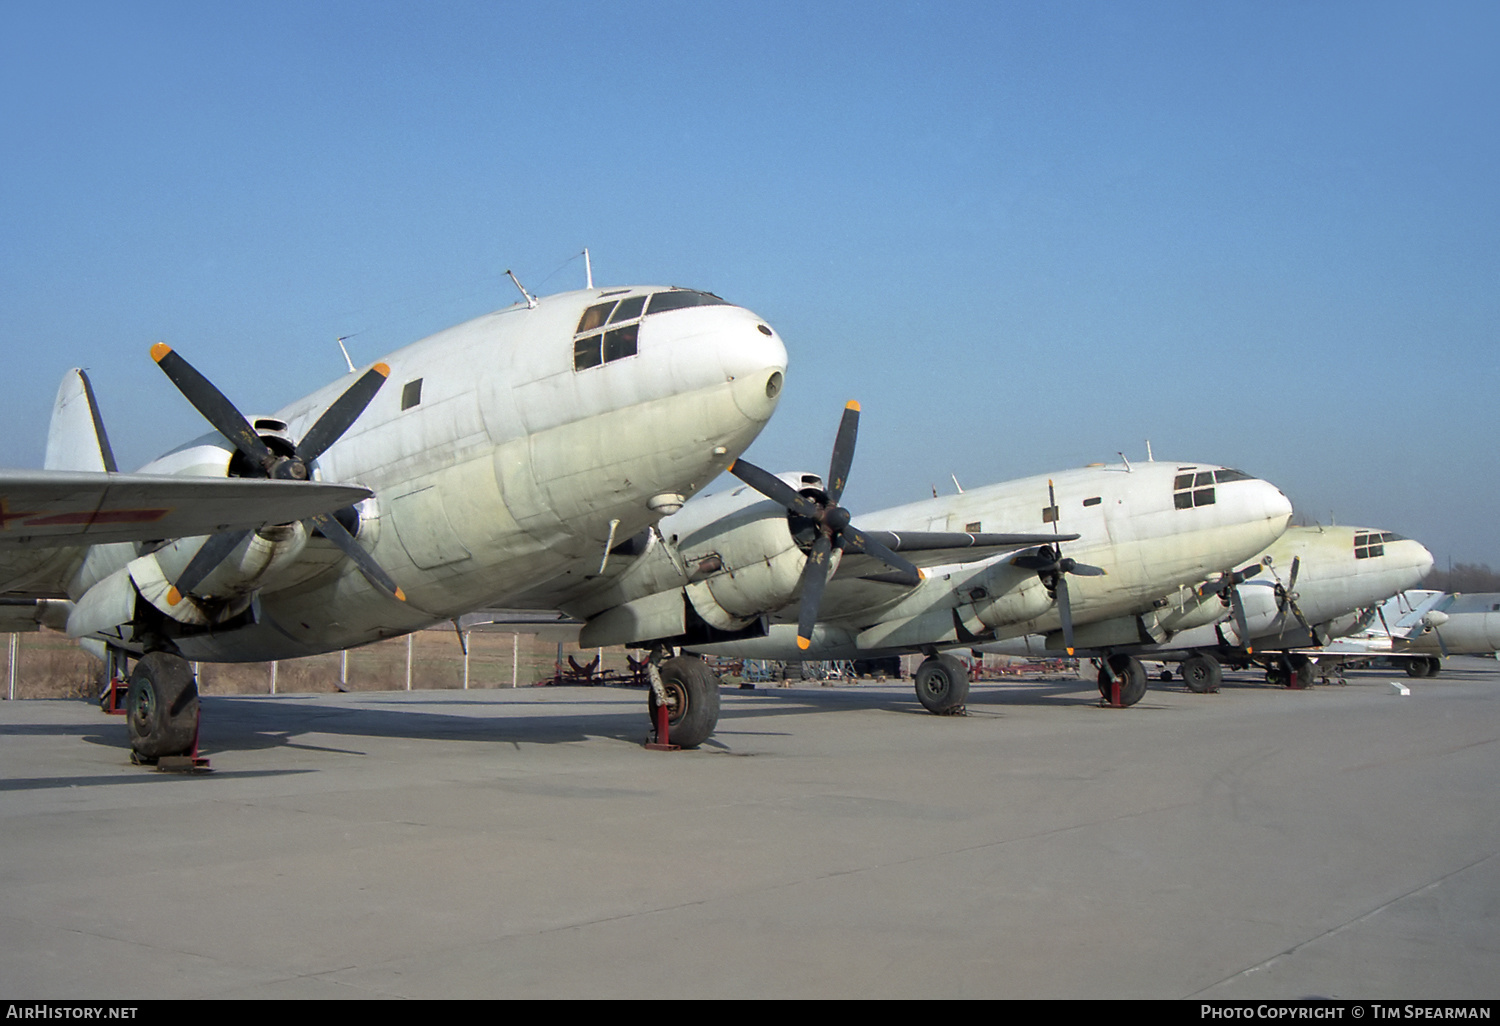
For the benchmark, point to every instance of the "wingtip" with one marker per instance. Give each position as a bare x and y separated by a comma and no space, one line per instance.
159,351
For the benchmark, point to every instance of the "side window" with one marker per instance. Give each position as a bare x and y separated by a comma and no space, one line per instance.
411,395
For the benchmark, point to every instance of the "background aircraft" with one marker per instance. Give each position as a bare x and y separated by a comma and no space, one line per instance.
1463,623
790,577
509,450
1311,585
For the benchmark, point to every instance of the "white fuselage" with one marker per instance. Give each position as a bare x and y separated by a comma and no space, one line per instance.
500,454
1147,529
1336,580
1457,624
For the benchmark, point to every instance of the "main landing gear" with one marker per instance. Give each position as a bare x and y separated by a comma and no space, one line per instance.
942,685
1428,666
1201,673
161,708
1295,671
688,691
1128,674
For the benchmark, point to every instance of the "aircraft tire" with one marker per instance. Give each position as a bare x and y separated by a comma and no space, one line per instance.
1416,667
1300,672
1202,674
161,707
1132,679
694,690
942,684
1434,666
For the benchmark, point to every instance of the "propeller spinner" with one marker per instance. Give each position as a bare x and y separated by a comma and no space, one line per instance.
828,519
263,462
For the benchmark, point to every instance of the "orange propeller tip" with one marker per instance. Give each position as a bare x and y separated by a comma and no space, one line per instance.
1070,652
852,404
173,596
804,643
400,594
382,369
160,351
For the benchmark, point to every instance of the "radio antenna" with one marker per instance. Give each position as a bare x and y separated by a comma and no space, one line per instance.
530,299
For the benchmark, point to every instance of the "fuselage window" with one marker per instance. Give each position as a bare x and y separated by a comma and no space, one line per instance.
1189,490
975,527
1094,501
411,395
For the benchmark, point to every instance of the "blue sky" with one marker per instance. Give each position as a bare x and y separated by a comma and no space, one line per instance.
1025,236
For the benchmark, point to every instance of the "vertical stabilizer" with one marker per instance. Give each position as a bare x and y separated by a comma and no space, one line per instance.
76,440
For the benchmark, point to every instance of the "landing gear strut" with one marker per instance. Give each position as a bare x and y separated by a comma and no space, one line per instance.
691,692
1128,672
942,685
161,707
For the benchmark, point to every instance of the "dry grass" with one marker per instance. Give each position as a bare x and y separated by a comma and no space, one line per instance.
51,666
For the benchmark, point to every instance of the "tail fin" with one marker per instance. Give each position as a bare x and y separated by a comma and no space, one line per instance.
76,440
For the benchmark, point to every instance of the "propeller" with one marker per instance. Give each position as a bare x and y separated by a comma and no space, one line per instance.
822,514
1286,598
264,462
1227,587
1053,568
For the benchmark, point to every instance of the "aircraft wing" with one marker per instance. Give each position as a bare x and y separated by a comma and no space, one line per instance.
940,548
54,507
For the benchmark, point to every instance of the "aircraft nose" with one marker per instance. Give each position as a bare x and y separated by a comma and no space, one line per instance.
1415,555
1274,502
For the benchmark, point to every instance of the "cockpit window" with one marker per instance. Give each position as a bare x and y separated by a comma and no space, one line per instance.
1231,475
679,299
1372,544
1190,490
592,346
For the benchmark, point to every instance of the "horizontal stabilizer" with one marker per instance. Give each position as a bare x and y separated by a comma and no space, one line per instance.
56,508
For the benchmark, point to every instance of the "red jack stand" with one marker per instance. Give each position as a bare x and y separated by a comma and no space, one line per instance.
1114,693
663,716
113,701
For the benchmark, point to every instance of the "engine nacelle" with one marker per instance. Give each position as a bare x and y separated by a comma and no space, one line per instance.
725,560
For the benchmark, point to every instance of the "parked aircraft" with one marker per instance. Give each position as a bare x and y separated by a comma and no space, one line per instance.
1455,624
1311,585
722,575
513,449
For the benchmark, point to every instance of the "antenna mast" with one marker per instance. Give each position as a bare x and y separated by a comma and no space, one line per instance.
340,341
588,269
530,299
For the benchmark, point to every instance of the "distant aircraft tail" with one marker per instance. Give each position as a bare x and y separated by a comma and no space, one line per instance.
76,439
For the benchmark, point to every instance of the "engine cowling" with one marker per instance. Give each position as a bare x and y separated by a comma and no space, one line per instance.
724,562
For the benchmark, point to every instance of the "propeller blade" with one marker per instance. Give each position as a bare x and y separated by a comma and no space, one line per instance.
814,579
209,555
843,452
1442,645
852,539
1291,584
1065,611
1035,562
210,402
1380,612
340,536
1084,570
1241,625
344,411
775,489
